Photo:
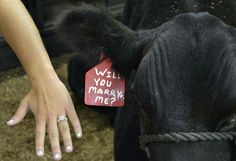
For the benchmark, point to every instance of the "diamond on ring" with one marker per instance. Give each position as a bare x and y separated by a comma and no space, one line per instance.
61,118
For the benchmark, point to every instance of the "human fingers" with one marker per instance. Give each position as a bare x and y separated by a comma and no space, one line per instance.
40,136
19,114
54,137
71,113
65,133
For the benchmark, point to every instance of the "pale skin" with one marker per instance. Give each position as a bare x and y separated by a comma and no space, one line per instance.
48,98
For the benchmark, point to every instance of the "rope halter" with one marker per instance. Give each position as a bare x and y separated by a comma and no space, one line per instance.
187,137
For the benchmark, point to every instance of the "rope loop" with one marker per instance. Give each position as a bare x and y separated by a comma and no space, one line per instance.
187,137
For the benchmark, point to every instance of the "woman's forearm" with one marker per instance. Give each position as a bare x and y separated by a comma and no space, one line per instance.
22,35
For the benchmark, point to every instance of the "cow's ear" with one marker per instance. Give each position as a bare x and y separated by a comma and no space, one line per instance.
90,27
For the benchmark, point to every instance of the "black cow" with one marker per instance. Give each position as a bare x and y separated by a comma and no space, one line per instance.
145,14
182,75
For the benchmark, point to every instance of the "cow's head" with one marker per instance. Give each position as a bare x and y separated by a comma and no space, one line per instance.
185,83
185,75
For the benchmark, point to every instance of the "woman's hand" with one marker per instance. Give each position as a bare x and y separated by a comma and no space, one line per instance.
48,100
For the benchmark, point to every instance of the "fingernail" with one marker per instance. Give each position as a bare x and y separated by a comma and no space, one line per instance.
39,153
79,135
57,156
68,149
10,122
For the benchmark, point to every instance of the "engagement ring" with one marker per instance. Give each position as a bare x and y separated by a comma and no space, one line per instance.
61,118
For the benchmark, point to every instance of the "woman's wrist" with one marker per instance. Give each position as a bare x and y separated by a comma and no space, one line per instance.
42,77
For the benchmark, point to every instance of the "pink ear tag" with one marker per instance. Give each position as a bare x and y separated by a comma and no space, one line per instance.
104,86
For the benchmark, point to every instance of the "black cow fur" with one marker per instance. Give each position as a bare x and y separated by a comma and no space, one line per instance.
183,73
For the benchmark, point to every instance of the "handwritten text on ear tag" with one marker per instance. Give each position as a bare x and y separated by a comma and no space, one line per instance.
104,86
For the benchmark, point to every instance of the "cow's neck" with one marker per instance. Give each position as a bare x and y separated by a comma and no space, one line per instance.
199,151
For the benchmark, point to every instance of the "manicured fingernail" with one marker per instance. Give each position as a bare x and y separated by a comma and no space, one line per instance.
57,156
78,135
10,122
68,149
39,153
